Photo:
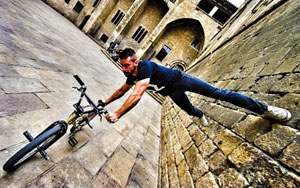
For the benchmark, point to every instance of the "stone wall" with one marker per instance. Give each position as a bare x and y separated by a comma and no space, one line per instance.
39,52
239,148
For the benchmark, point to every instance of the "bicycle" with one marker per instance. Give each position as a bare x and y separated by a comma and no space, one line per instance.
78,118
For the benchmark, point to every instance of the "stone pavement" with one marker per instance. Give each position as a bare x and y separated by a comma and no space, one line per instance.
39,52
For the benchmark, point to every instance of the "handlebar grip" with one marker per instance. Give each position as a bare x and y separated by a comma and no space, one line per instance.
101,103
78,79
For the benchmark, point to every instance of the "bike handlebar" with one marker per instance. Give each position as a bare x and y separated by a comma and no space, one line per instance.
101,103
78,80
82,89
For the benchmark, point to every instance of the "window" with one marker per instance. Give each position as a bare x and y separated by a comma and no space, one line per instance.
67,1
96,3
104,38
78,7
219,10
163,53
118,17
221,16
139,34
195,43
205,5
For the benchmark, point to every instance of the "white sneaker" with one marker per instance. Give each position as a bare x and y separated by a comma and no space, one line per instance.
278,113
203,120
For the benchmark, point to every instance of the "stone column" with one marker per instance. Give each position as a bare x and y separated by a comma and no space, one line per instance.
157,31
130,13
89,26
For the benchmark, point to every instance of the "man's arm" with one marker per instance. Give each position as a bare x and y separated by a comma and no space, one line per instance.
118,93
132,100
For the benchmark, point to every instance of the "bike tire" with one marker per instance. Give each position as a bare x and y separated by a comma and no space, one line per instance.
44,140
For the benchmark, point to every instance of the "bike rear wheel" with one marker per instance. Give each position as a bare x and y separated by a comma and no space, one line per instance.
44,141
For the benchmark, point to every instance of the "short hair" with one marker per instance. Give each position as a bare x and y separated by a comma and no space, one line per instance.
127,52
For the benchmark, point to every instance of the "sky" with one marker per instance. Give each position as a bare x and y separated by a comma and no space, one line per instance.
237,3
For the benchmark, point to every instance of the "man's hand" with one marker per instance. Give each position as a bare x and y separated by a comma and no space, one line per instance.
132,100
101,103
111,117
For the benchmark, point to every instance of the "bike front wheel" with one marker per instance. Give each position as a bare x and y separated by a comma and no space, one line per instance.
43,141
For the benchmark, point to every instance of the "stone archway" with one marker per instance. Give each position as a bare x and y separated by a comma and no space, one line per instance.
181,40
178,65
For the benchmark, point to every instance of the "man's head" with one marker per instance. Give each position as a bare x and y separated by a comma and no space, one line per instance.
129,62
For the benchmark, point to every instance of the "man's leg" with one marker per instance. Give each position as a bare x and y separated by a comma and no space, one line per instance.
199,86
180,98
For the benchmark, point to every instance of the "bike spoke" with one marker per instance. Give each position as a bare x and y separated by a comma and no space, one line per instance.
28,155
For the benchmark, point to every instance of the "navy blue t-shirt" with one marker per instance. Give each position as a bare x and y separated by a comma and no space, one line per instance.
162,79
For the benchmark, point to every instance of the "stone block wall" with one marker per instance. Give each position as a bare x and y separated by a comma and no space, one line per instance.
240,148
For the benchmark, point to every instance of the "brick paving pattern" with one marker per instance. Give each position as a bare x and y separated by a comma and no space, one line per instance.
39,52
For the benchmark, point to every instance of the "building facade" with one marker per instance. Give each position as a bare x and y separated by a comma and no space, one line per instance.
173,33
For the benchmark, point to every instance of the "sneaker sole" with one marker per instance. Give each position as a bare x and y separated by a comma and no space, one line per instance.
288,115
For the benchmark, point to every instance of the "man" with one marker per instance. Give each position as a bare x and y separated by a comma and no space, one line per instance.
112,47
174,83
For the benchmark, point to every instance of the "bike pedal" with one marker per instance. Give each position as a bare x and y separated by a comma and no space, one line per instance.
28,136
42,152
72,141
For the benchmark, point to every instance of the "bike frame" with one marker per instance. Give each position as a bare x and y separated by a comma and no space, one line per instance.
79,118
79,110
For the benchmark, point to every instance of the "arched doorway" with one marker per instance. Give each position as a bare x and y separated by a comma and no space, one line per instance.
178,65
181,40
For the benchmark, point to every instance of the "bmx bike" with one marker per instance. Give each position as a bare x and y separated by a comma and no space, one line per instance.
81,116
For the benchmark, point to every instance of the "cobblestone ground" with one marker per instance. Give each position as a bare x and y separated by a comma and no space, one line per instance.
39,52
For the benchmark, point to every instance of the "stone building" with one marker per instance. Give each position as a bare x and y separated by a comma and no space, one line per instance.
253,49
173,33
